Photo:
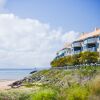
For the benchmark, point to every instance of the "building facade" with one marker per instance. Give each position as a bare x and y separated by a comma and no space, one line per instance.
63,52
85,42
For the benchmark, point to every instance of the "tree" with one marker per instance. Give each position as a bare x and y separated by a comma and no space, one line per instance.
82,58
61,62
88,57
75,59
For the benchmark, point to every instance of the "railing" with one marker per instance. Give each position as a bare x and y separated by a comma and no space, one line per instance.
91,40
92,49
77,52
77,44
77,66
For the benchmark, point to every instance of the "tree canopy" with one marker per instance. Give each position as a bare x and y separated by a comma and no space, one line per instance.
81,58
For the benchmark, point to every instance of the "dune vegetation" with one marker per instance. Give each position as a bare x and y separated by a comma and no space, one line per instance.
86,57
58,84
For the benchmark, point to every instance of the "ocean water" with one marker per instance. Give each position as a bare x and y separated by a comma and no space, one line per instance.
14,74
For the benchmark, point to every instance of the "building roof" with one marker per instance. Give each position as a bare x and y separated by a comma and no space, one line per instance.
83,36
67,45
96,32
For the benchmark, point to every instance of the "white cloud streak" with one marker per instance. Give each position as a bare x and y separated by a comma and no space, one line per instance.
29,42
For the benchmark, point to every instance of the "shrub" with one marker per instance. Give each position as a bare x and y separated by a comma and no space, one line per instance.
95,86
82,58
89,57
61,62
77,93
44,94
15,94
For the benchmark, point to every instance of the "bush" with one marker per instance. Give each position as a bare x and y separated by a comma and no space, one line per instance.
82,58
44,94
77,93
89,57
15,95
95,86
61,62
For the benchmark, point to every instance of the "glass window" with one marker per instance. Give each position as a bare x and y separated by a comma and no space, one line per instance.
85,41
91,40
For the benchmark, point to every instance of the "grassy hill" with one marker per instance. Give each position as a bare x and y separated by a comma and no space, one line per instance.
58,84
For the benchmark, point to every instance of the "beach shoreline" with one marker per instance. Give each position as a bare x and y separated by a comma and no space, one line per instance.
4,84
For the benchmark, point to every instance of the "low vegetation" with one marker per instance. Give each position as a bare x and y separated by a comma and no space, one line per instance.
58,84
77,59
44,94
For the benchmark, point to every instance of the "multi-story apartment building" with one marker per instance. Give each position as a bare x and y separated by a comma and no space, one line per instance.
65,51
85,42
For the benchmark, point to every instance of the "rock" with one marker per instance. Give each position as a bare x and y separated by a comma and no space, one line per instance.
16,84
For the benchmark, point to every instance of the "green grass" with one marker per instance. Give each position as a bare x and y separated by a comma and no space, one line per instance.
95,86
15,95
77,93
44,94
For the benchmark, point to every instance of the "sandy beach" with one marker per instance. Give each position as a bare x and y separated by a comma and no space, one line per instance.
4,84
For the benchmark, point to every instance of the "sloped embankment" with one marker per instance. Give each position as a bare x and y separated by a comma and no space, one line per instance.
58,84
61,77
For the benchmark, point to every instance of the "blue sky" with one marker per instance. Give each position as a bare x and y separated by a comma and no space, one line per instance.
78,15
32,31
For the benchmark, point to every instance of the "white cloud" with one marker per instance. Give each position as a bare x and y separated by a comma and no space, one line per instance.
70,36
28,42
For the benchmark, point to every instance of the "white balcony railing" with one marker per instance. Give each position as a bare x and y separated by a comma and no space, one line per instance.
77,44
77,52
93,49
92,40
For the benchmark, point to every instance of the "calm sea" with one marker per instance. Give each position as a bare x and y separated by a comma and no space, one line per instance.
14,74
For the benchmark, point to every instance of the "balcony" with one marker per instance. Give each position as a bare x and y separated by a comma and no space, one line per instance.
76,44
61,53
93,49
90,41
77,52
